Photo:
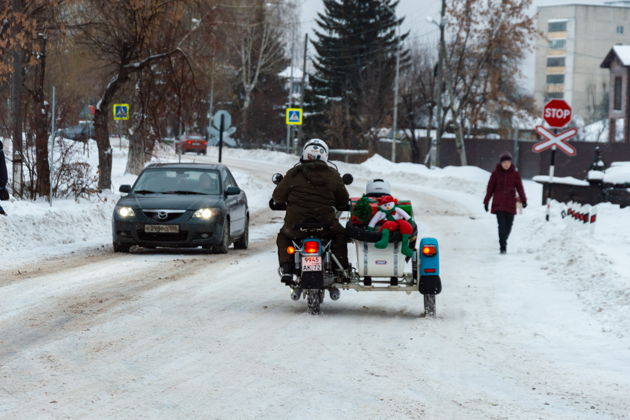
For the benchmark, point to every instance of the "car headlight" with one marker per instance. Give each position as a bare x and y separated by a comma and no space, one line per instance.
205,214
125,212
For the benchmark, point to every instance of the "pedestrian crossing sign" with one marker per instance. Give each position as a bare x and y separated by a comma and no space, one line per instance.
294,116
121,111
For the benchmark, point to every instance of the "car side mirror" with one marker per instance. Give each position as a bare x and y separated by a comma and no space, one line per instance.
276,178
347,179
125,188
232,190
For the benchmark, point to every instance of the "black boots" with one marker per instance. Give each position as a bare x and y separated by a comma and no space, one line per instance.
286,270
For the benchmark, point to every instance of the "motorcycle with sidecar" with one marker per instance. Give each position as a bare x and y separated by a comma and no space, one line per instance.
318,270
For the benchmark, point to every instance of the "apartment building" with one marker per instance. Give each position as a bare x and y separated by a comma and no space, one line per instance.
574,40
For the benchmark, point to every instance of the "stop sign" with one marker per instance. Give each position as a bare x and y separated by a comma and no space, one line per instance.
557,113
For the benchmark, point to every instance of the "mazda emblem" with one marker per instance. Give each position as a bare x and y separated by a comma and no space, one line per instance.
162,215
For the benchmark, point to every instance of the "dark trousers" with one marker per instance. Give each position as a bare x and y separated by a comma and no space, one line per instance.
505,221
336,233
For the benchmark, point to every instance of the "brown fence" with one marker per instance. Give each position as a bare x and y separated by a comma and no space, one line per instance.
485,153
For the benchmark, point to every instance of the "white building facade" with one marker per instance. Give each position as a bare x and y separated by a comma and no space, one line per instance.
574,40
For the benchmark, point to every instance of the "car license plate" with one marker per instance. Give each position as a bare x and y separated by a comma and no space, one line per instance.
312,263
161,228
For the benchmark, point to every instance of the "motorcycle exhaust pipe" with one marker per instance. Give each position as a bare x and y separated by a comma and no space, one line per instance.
296,294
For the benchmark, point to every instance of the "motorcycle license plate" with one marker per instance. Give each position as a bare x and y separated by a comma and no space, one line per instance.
161,228
312,263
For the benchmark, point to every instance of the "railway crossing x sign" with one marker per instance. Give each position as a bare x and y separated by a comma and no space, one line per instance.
552,139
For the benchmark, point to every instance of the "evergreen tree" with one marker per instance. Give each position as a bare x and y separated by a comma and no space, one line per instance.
351,89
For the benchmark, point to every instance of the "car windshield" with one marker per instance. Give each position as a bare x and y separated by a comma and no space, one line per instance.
178,181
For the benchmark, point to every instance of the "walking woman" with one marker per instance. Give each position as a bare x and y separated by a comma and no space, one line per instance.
504,182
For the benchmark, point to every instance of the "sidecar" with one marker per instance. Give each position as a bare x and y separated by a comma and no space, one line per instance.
388,269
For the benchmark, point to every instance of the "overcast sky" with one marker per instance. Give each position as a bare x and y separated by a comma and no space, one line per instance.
416,12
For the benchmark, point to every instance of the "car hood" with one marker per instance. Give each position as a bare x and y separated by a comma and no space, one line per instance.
170,201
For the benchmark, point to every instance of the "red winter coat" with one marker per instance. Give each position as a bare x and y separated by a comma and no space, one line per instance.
502,187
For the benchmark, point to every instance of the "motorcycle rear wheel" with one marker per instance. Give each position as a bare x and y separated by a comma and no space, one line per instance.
314,298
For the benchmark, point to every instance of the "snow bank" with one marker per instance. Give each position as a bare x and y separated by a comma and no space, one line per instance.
34,229
458,178
593,264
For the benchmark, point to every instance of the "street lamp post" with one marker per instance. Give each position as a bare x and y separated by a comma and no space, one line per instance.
435,147
396,83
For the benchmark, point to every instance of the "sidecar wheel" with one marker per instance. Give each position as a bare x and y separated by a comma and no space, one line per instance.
429,306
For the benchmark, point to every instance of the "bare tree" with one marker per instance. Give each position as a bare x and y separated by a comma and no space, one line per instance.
417,97
258,46
122,35
24,25
489,39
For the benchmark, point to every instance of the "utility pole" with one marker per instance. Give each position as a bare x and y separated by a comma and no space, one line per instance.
303,87
396,83
435,146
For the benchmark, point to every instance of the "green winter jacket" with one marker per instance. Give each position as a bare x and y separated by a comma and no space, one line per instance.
311,189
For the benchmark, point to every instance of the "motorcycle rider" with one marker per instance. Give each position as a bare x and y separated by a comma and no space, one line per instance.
312,191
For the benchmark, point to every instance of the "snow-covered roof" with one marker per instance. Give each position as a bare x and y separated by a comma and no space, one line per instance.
567,180
620,51
286,73
618,173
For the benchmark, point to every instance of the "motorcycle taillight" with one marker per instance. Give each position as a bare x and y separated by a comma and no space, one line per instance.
311,247
429,250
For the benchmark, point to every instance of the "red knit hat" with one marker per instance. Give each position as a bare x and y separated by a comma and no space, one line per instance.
386,199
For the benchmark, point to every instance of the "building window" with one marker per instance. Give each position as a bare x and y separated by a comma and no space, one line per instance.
553,95
617,93
555,79
557,44
557,26
555,62
620,29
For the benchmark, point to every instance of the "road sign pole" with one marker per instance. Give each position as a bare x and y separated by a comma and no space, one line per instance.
552,168
221,128
288,138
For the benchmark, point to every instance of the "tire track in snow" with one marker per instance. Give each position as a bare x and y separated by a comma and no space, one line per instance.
54,315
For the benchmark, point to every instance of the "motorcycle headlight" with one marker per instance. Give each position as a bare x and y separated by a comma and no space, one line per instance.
205,214
125,212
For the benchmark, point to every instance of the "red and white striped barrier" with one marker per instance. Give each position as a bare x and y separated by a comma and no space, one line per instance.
584,214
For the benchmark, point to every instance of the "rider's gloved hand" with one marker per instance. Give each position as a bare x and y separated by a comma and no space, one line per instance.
485,206
370,228
524,204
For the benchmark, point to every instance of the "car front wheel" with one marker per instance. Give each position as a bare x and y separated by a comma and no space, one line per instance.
243,241
223,247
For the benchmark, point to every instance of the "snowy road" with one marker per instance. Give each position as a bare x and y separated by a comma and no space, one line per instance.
188,335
